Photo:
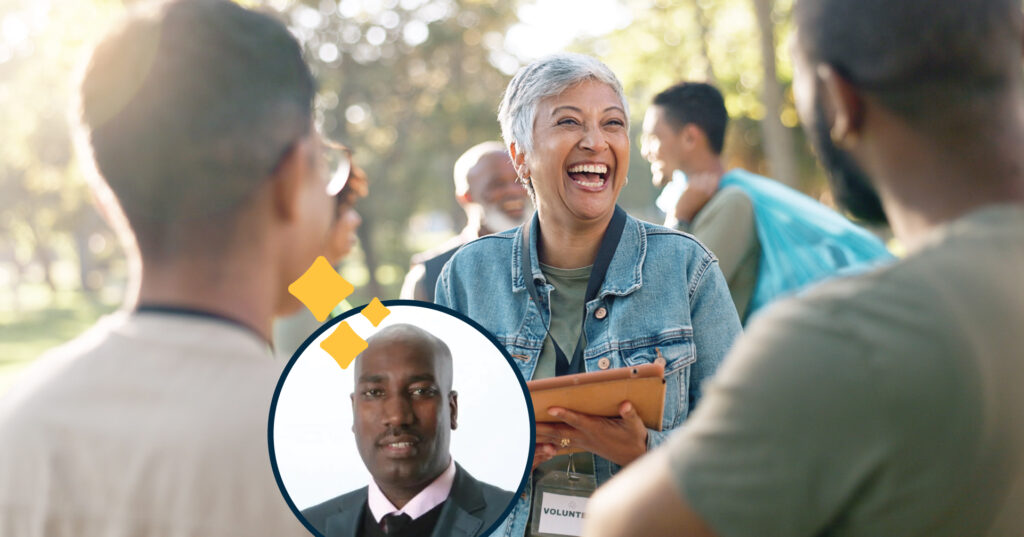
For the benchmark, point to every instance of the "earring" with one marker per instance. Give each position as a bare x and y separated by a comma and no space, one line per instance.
836,135
842,138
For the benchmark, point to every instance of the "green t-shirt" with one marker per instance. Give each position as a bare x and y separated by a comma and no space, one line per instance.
726,226
566,320
566,315
888,404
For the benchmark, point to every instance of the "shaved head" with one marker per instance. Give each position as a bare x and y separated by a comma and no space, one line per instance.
413,337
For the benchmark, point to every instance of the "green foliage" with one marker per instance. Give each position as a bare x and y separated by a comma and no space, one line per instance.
409,86
44,204
715,41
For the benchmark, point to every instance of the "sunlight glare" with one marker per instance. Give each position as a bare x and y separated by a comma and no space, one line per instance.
549,27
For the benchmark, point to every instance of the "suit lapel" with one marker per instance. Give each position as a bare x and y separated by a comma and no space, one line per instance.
458,516
350,515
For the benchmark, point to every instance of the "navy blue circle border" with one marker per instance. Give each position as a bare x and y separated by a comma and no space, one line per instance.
420,304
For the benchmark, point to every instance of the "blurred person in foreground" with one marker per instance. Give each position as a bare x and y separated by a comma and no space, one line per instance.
198,116
291,331
583,286
770,240
487,189
887,403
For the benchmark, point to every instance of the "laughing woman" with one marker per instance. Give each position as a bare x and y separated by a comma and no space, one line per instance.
585,287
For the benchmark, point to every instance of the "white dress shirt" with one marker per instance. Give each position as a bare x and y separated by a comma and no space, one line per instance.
432,496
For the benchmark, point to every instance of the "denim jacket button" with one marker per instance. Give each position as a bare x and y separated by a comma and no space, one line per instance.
604,363
601,313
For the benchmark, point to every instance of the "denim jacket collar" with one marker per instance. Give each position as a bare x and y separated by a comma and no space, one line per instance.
624,273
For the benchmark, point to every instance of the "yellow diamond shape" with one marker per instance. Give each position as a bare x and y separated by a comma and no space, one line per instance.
375,312
343,345
321,288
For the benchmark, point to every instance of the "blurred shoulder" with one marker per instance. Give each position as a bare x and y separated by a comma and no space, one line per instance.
891,311
486,246
444,249
47,373
728,207
662,237
730,195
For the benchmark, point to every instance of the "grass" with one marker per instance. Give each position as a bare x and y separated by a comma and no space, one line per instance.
26,334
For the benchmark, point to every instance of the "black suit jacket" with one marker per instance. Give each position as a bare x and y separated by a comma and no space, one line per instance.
471,508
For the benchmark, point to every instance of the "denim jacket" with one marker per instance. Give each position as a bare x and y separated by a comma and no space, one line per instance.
663,297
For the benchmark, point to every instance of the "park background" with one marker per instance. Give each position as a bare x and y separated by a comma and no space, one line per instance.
408,85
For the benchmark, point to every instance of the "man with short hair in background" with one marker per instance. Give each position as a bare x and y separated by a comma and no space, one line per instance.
770,240
888,403
486,188
198,116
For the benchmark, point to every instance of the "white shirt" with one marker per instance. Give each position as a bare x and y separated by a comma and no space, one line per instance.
149,424
670,196
432,496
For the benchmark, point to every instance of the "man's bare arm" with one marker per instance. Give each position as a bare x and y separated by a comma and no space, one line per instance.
643,500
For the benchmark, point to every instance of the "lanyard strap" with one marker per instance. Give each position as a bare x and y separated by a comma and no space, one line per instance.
605,252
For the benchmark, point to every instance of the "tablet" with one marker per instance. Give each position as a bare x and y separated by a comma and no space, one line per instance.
601,392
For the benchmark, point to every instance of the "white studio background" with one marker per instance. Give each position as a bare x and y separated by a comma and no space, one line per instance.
315,448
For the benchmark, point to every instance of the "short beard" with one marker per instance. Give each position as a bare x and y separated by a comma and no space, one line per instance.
496,221
851,186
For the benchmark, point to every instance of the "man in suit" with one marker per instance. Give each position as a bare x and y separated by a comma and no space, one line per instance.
404,410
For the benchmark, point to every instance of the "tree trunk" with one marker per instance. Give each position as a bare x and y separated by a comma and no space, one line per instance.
7,253
44,256
80,238
778,141
365,234
704,25
19,276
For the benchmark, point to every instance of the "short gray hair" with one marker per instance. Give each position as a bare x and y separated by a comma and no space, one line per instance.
544,78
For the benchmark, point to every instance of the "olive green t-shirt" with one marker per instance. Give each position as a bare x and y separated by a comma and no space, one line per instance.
566,320
888,404
726,226
566,315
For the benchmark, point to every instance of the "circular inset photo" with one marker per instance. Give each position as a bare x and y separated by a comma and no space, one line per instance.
428,430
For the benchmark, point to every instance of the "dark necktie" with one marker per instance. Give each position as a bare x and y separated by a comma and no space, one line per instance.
395,523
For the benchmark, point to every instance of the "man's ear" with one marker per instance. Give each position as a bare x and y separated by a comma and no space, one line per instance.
288,180
453,407
845,103
691,135
519,162
352,397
